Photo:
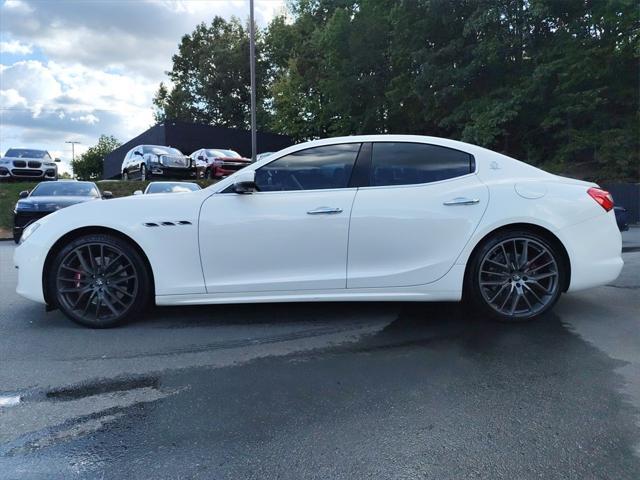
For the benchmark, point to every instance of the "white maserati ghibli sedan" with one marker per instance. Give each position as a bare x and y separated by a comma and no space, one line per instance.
362,218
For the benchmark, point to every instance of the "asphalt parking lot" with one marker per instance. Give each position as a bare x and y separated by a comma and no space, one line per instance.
324,390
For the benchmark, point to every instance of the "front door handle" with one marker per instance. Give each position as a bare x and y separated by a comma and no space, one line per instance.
462,201
325,211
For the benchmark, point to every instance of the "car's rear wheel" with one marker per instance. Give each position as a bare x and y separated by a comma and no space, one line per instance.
99,281
143,172
516,275
125,176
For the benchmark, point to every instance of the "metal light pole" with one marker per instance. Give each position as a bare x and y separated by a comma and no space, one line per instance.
252,69
73,150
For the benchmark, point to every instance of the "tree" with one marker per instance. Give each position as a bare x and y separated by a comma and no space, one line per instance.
89,165
210,81
550,83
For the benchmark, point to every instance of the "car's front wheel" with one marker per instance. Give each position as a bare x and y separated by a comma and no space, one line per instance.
99,281
516,275
143,172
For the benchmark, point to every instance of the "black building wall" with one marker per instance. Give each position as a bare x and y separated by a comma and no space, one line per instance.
189,137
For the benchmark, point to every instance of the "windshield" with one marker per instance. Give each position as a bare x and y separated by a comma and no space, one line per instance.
223,153
172,187
159,150
26,153
70,189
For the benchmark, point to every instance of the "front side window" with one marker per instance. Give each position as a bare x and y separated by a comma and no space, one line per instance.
311,169
400,163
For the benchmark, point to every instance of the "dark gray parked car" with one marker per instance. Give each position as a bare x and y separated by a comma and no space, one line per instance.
148,161
47,197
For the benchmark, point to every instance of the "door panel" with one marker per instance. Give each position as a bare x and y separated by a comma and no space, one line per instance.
405,235
268,241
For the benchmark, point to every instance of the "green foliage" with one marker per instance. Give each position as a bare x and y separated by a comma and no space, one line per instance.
89,165
210,77
552,83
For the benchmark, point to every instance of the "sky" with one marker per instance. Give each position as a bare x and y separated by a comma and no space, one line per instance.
71,70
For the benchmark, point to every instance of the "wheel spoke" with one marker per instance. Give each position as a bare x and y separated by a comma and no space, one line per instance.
91,259
533,292
535,269
542,276
121,279
109,304
514,303
501,274
117,272
499,292
525,254
86,307
86,268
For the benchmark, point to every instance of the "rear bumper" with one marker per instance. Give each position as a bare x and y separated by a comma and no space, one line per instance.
595,251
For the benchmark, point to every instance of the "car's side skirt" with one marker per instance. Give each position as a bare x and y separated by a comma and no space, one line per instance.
320,296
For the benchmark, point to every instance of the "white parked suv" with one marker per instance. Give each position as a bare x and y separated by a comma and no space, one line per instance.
28,164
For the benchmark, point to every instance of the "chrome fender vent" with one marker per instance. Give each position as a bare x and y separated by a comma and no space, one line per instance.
167,224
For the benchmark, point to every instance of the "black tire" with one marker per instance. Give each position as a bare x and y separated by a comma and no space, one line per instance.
99,281
143,173
515,291
125,176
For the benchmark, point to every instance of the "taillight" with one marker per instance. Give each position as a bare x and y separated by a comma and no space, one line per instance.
603,197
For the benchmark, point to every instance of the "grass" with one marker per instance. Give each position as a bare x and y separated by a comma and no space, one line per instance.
9,196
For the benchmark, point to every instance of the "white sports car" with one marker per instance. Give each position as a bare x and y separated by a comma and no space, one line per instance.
380,217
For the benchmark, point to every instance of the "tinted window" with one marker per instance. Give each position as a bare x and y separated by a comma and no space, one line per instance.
310,169
160,150
410,163
26,153
72,189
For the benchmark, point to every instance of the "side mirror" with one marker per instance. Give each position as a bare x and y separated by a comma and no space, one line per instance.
200,157
137,153
23,194
138,192
57,160
245,183
107,195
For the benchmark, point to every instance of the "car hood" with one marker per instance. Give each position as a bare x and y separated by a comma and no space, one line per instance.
27,159
233,159
52,203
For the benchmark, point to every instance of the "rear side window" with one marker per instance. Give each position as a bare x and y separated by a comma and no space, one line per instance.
311,169
401,163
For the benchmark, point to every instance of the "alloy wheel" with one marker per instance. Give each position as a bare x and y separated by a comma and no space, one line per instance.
97,281
519,277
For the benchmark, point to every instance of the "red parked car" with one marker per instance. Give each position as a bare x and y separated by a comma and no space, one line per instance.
218,163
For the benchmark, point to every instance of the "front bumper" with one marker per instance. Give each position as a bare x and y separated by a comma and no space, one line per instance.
22,220
29,259
27,172
227,169
173,172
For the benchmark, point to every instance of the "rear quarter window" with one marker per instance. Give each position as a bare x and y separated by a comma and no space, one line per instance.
402,163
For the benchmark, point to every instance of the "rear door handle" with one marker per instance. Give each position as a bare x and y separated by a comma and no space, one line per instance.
325,211
462,201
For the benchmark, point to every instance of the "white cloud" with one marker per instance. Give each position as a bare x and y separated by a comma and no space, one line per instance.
94,66
15,47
